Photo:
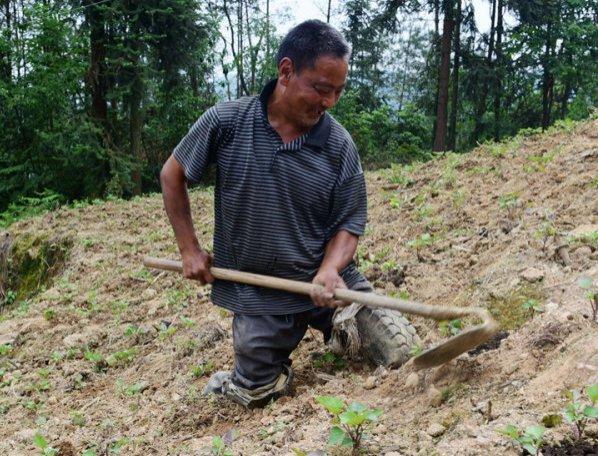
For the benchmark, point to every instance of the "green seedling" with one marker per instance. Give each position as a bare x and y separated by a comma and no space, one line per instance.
5,349
394,202
545,233
77,418
167,333
46,450
202,369
97,359
532,307
530,440
416,350
329,362
187,322
121,358
508,203
587,284
132,331
580,414
350,421
9,298
49,314
450,328
420,242
219,448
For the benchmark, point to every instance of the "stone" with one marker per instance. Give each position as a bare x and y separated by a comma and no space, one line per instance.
412,380
369,383
434,396
532,275
583,230
74,340
9,338
436,430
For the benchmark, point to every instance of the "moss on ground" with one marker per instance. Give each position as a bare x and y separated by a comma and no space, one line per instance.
30,260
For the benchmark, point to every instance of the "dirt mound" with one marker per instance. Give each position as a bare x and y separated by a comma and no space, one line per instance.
111,357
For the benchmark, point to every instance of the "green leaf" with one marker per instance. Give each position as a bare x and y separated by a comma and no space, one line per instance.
593,393
352,418
530,448
356,407
373,414
535,432
337,436
571,416
333,404
40,441
509,431
299,452
590,412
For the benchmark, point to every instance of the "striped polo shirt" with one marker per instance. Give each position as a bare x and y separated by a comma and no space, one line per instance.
276,205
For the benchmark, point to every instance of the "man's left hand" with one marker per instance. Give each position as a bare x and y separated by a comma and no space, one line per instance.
329,279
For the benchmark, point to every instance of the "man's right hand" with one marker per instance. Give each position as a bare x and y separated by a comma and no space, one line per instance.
196,265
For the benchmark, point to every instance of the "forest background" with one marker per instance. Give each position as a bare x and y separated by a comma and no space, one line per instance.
94,95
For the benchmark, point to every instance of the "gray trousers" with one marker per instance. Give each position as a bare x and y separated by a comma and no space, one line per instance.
263,343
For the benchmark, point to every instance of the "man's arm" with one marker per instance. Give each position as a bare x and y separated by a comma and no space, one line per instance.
196,262
339,252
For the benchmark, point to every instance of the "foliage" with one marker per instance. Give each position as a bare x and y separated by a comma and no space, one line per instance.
580,414
350,421
587,284
530,440
220,448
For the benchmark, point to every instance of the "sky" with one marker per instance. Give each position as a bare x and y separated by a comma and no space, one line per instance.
296,11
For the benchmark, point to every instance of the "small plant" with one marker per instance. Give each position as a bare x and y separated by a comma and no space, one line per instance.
350,421
132,331
545,233
219,448
508,203
532,307
8,299
121,358
202,369
587,284
5,349
40,442
580,414
394,202
450,328
416,350
329,362
530,440
49,314
77,418
420,242
97,359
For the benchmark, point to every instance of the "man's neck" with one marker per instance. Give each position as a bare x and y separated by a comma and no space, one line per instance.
279,117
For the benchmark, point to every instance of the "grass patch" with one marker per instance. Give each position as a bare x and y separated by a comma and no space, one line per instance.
509,309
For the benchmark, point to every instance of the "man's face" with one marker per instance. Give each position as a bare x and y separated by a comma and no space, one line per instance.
312,91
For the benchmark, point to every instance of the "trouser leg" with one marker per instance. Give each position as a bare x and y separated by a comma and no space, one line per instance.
262,345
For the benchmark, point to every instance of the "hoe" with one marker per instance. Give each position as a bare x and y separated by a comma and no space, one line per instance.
435,356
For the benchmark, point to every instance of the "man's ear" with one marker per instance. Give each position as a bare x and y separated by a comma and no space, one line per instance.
285,70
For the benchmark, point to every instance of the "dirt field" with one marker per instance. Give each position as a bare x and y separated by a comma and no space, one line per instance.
111,357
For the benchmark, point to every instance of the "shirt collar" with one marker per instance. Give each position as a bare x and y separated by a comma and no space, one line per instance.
317,135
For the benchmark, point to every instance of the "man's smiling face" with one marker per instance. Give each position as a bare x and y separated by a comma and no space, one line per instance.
312,91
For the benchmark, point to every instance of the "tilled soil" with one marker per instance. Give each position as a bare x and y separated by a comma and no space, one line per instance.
111,357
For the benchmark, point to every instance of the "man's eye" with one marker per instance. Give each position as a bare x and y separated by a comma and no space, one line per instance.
321,90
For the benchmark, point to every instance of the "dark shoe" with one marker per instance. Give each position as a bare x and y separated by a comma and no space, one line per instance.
221,383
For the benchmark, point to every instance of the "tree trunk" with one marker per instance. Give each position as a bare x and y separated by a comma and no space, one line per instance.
5,58
498,70
97,71
455,95
547,78
328,11
485,83
443,79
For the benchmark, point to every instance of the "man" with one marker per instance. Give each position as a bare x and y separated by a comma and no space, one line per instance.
290,201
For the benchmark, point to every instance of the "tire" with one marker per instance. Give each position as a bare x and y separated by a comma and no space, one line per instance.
386,336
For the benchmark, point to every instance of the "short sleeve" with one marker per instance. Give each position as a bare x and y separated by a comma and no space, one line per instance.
349,198
198,148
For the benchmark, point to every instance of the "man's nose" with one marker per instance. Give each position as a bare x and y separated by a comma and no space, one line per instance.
329,101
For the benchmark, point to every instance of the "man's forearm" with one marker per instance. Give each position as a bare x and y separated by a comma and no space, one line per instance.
340,250
178,209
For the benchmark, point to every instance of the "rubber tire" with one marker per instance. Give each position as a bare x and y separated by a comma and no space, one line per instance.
386,336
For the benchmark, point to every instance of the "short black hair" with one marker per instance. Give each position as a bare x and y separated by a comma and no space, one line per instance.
309,40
